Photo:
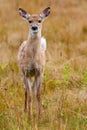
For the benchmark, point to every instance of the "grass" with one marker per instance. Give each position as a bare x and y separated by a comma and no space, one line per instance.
64,89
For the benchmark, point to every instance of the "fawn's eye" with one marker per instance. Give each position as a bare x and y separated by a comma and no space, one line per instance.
39,21
30,21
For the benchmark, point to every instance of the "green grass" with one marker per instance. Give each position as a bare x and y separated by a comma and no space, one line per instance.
62,106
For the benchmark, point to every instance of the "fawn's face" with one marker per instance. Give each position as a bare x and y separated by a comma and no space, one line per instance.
35,21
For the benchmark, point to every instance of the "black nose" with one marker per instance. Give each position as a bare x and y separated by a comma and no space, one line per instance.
34,28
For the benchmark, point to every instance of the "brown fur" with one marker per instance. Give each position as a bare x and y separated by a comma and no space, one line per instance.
31,60
31,53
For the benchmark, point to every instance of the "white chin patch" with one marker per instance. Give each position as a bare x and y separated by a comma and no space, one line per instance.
43,43
35,31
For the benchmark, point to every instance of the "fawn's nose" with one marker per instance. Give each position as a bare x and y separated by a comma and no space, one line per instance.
34,28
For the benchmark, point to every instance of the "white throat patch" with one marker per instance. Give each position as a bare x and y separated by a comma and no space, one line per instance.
34,34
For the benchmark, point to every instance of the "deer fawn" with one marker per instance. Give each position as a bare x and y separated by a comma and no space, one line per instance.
31,59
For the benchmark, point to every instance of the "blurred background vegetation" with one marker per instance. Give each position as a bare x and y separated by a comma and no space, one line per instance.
64,89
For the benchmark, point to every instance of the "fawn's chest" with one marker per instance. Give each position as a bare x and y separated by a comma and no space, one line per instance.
30,60
30,56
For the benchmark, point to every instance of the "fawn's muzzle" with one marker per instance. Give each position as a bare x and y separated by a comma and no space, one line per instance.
34,28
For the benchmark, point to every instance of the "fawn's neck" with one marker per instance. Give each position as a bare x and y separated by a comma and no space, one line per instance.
34,39
34,35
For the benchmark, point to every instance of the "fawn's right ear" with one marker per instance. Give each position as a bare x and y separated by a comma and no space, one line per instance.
45,13
24,14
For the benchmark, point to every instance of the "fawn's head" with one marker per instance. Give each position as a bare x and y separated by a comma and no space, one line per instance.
35,21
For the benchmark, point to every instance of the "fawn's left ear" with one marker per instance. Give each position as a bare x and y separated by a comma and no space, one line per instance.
45,12
24,13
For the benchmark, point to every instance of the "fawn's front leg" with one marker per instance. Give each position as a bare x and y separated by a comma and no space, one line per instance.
29,92
37,92
26,94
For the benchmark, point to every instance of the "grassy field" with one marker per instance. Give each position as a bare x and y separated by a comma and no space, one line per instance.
64,89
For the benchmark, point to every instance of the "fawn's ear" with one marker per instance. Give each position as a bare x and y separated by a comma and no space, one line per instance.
23,13
45,12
